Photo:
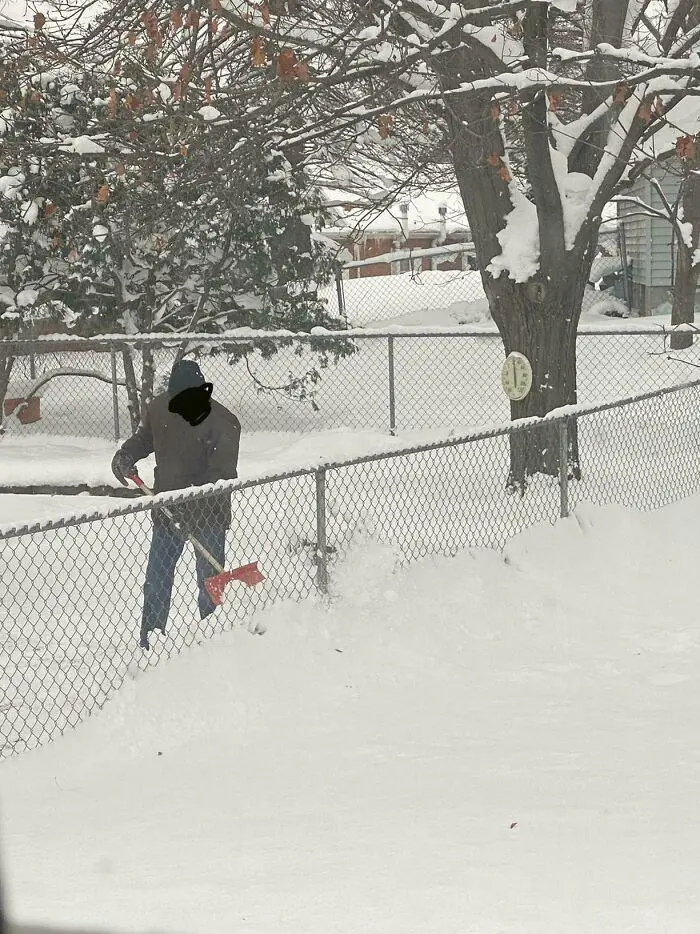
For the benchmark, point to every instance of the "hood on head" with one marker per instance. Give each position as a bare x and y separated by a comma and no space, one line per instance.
185,375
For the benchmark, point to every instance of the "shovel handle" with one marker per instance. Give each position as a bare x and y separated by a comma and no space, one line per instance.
134,477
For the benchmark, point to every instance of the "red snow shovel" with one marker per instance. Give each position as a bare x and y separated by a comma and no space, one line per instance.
248,574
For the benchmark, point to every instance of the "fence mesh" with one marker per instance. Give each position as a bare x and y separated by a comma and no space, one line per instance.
71,607
436,502
72,598
437,380
444,289
642,457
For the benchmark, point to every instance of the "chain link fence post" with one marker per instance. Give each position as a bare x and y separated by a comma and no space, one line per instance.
32,365
564,468
115,394
392,395
321,544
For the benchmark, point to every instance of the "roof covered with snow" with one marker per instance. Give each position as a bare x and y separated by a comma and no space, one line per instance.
422,216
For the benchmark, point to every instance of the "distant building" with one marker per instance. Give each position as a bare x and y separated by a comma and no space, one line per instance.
649,240
429,221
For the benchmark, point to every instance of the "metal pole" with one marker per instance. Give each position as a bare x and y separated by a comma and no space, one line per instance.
341,296
32,366
321,545
564,468
392,396
115,394
626,284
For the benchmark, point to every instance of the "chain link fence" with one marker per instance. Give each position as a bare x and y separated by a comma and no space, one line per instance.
442,285
396,381
72,597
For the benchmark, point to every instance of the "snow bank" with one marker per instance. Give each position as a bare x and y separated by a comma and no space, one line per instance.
492,738
18,509
440,384
51,461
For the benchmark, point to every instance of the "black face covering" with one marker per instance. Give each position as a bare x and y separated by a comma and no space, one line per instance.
193,404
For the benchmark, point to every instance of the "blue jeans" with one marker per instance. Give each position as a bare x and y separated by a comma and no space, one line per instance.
166,547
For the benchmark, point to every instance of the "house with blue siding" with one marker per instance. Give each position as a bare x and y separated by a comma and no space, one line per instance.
649,239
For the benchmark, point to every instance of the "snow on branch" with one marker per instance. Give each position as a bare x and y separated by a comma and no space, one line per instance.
618,137
629,55
519,240
530,80
684,42
647,210
457,13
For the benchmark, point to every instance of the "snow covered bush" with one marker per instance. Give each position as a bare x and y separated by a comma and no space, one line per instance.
133,199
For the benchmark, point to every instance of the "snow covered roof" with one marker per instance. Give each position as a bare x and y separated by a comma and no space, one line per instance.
422,216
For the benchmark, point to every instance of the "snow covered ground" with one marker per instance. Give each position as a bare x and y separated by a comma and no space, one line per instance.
72,598
490,743
65,461
441,297
439,382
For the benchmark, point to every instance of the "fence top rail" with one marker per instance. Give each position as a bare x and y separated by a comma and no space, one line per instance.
447,250
107,342
391,450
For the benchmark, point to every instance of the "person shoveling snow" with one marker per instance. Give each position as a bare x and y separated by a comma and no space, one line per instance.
195,441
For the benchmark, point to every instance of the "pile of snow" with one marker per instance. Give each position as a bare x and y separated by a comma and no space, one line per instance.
496,738
607,305
17,508
437,298
53,461
475,313
605,265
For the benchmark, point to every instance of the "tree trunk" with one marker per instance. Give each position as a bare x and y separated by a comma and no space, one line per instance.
539,317
291,251
132,391
540,321
141,395
686,281
684,290
6,364
138,400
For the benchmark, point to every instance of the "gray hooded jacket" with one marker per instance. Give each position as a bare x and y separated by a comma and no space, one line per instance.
189,455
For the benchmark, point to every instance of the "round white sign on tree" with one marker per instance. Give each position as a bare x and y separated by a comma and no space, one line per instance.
516,376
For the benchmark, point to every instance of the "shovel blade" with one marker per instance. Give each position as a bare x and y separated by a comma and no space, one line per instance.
248,574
